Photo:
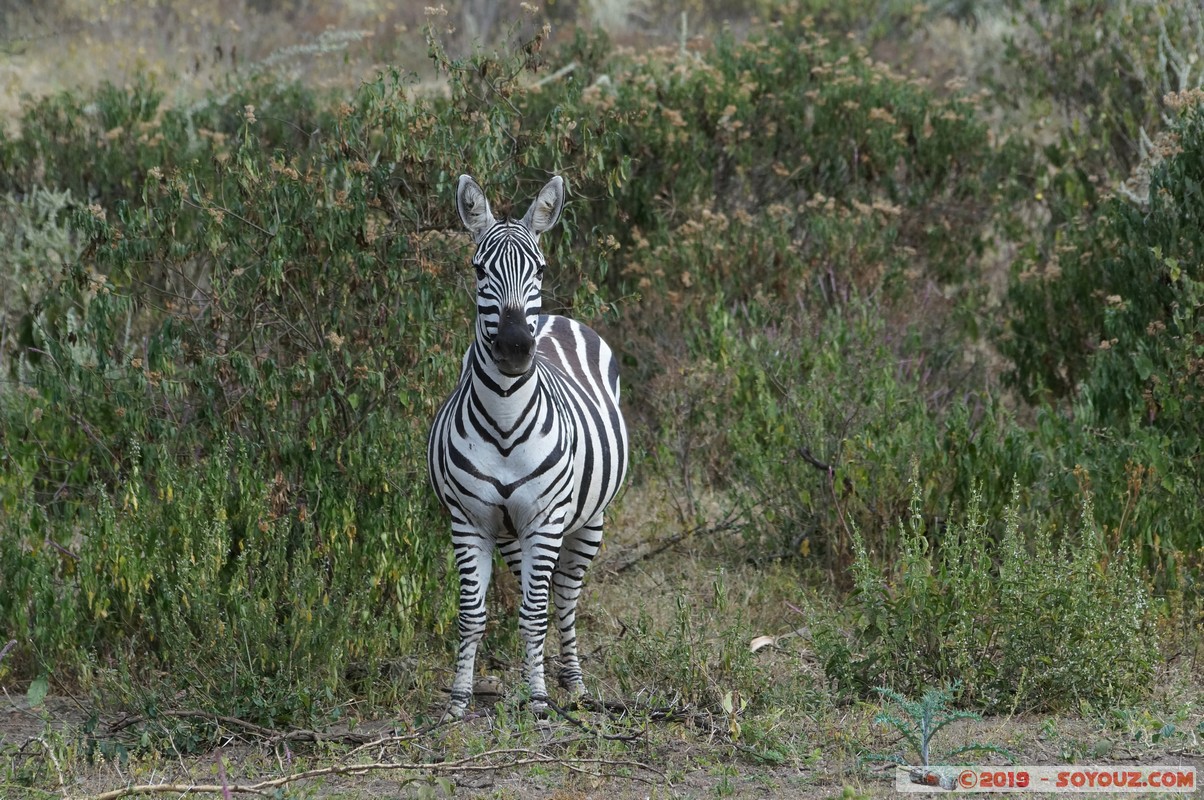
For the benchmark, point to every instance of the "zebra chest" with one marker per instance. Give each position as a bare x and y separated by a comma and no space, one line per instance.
508,485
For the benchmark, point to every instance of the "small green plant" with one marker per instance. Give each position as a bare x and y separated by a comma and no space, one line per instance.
724,787
921,720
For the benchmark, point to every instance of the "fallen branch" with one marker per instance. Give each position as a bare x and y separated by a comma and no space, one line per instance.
515,758
652,713
614,737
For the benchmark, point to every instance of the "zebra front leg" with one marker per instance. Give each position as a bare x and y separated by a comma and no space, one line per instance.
512,554
473,560
539,559
575,557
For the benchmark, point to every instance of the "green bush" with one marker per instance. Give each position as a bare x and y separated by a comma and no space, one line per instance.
809,421
1022,622
792,201
101,147
1112,318
1096,74
35,243
233,391
782,122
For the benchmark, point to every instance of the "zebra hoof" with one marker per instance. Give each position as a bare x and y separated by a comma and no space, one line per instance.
574,686
457,709
538,706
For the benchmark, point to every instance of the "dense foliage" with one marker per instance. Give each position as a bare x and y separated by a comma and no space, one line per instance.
1114,313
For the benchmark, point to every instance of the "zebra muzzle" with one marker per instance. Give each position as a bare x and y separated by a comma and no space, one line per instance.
514,346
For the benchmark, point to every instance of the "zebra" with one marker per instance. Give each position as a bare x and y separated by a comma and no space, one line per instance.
530,447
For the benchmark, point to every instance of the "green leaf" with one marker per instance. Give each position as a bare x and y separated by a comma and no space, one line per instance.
37,691
1143,365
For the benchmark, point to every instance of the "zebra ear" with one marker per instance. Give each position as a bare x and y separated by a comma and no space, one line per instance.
473,208
545,211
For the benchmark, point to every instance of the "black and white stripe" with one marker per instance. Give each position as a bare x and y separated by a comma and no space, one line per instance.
530,448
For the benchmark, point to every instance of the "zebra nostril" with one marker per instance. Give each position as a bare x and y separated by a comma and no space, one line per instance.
520,343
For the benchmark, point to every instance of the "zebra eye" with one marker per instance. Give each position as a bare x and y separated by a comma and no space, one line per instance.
480,272
539,274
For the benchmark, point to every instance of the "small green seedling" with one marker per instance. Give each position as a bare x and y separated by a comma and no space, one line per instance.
920,722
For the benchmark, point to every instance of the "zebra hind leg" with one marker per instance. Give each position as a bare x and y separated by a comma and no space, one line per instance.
578,551
473,561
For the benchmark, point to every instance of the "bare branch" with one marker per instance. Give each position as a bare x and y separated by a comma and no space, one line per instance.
504,759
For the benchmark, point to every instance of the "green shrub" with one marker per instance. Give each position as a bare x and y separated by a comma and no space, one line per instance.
214,448
1023,621
779,400
1111,318
36,241
789,202
783,121
173,493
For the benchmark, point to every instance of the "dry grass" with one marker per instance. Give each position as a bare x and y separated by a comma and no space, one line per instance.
189,48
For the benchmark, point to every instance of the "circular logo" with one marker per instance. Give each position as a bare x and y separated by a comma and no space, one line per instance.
968,779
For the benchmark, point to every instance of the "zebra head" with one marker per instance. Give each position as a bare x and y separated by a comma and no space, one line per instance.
509,267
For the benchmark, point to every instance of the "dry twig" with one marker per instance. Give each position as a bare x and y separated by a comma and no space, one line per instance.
511,758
